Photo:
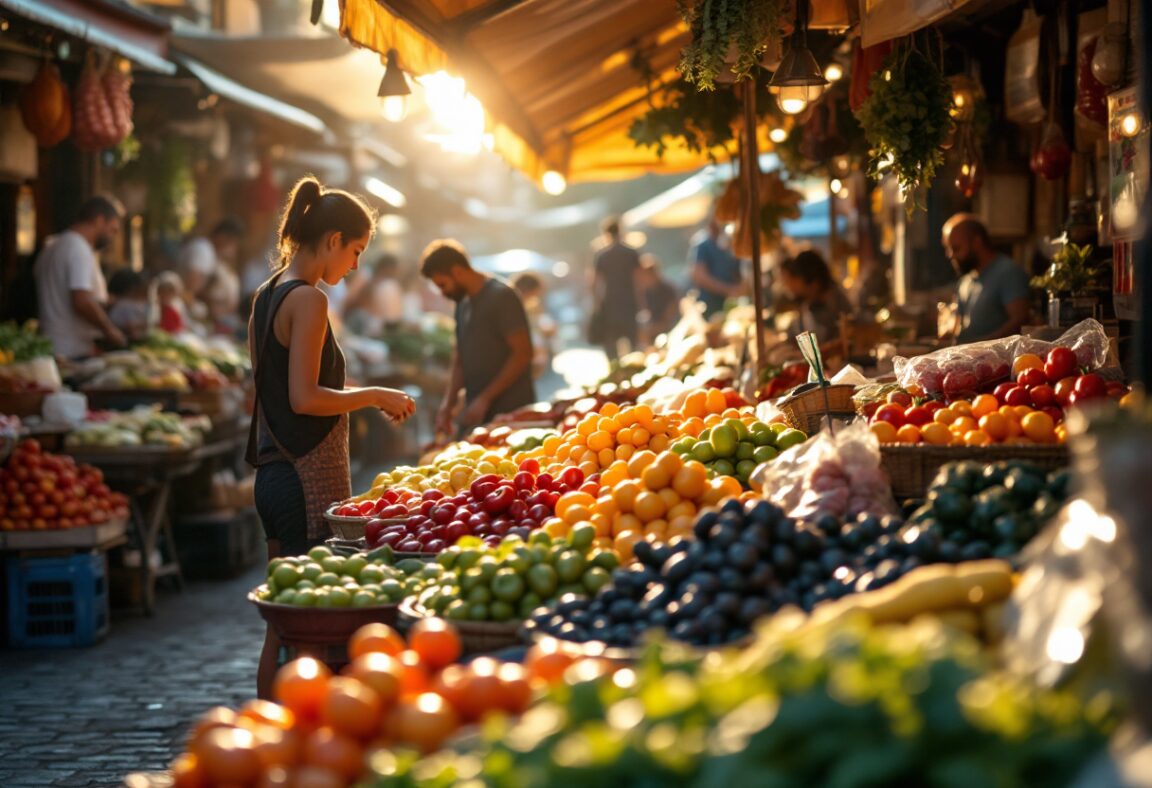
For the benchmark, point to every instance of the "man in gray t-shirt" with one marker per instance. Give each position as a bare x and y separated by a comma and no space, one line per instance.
992,297
492,360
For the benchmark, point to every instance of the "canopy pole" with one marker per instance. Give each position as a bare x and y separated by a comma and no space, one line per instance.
752,174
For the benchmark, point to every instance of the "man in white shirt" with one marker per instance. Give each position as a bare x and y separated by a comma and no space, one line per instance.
70,287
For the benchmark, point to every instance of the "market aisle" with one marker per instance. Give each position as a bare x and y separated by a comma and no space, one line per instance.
87,717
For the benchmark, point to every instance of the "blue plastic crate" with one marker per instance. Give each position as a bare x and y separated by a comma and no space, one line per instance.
57,602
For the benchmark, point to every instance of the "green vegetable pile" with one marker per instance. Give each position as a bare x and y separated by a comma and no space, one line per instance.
836,707
22,343
907,117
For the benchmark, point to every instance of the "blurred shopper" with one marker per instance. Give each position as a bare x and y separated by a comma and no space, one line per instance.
379,305
809,280
492,360
131,307
716,271
299,436
170,300
659,298
992,296
615,270
70,289
531,291
211,285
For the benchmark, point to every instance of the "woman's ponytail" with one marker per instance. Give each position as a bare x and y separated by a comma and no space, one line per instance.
312,212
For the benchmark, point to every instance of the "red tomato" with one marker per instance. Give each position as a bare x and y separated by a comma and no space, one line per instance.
530,466
1018,396
933,405
902,398
1061,363
1056,414
1090,386
572,477
891,413
1043,396
917,415
1064,389
1002,390
1031,377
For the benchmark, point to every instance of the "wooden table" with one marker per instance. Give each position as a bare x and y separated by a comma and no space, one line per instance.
146,474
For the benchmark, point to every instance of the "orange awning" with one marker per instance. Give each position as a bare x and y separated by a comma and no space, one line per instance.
556,77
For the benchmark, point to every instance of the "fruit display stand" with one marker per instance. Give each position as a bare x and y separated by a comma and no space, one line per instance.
320,633
912,468
146,474
476,637
104,536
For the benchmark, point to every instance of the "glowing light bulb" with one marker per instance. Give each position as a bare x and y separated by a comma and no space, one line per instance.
394,108
553,182
1130,124
794,99
835,186
778,135
833,72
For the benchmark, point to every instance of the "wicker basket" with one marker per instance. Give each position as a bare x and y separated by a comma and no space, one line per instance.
314,630
806,411
350,528
476,637
912,468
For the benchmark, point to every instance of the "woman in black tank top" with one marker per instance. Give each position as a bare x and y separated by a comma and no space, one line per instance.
299,437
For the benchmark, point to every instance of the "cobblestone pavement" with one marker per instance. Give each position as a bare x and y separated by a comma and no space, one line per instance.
87,717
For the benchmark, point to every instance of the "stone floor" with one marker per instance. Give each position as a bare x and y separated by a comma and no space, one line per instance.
88,716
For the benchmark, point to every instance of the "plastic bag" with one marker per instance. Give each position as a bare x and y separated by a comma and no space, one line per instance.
965,370
836,474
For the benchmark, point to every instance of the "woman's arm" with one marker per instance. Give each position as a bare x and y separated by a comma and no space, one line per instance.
306,311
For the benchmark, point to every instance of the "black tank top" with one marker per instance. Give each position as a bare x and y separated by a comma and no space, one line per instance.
297,433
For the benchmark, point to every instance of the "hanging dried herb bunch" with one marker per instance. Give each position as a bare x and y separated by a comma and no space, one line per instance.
907,118
743,27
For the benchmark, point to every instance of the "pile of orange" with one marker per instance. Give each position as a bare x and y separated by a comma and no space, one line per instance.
323,727
600,439
651,496
982,421
705,408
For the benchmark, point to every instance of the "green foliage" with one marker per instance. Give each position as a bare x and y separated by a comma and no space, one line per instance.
844,705
698,120
1072,271
718,26
22,342
906,119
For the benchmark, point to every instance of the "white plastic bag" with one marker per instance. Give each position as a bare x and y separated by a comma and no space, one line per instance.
836,474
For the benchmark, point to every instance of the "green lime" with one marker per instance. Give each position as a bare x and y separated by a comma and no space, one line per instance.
285,597
286,576
364,599
477,613
724,440
488,566
789,438
334,563
744,469
324,597
305,597
312,571
518,561
724,468
467,559
703,452
340,597
739,427
501,611
543,580
762,434
595,579
571,588
745,450
275,562
447,558
319,553
392,589
582,536
355,565
765,454
328,579
605,559
370,574
778,427
539,538
528,605
684,445
704,436
507,585
305,583
480,595
472,578
457,610
570,566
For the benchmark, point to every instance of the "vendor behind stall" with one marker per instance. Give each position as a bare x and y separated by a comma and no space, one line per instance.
992,296
492,360
809,280
70,288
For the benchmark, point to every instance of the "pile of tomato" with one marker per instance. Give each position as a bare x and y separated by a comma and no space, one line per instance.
322,728
43,491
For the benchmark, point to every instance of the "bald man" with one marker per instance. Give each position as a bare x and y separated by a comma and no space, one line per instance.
992,296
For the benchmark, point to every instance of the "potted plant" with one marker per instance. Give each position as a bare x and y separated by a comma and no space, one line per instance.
1070,282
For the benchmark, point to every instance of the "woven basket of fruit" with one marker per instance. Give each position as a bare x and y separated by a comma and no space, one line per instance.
806,411
304,626
912,468
476,637
350,528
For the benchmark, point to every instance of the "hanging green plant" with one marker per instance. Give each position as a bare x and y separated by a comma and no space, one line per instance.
699,121
1072,271
907,118
742,28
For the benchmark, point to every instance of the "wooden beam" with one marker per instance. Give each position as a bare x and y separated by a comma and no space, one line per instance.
468,21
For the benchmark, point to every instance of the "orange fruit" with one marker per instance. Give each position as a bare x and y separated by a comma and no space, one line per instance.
623,523
945,416
351,708
375,637
625,451
624,436
424,722
301,686
381,672
680,510
1026,361
1023,410
659,443
656,477
587,426
547,660
625,494
228,756
644,414
614,474
715,401
605,457
571,499
551,444
267,713
695,404
640,437
984,404
600,440
1009,412
624,543
1039,427
995,425
609,409
884,432
577,513
976,438
936,434
602,521
649,506
436,641
964,425
691,480
669,461
640,460
626,417
909,433
669,496
962,407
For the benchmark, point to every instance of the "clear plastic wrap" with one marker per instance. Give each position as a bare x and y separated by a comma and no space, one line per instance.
836,474
965,370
